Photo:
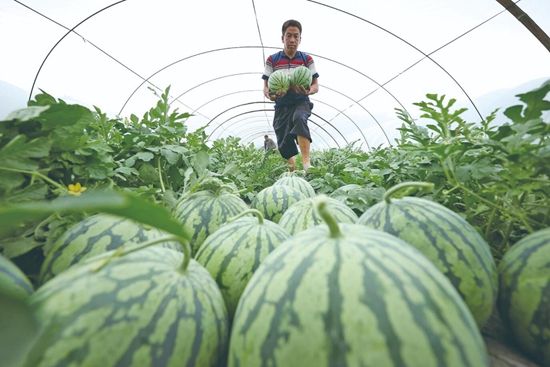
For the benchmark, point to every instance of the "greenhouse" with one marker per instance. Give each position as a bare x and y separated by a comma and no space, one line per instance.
146,222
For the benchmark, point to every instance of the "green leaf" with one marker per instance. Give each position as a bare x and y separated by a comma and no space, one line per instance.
11,180
145,156
117,203
64,115
37,191
17,153
27,113
200,162
16,246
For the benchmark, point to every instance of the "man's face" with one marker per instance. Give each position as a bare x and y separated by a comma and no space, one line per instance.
291,38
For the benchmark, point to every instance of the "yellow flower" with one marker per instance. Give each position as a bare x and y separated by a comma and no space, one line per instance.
76,190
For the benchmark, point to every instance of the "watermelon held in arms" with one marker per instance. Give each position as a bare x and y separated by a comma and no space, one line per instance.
95,235
450,242
278,82
149,307
301,76
524,294
346,295
202,212
274,200
13,282
235,250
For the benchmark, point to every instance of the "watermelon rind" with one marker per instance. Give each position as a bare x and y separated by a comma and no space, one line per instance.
278,81
304,215
524,294
235,250
141,309
273,201
359,298
301,76
449,241
298,183
95,235
14,284
202,212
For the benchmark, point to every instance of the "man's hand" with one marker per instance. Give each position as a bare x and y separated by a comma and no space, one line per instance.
274,96
302,90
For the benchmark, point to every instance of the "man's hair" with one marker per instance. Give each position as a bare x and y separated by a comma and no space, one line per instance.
266,136
292,23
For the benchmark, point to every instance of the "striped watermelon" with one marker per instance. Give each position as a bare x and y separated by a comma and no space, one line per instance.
202,212
14,284
352,296
141,309
450,242
298,183
303,214
95,235
301,76
278,81
524,295
235,250
274,200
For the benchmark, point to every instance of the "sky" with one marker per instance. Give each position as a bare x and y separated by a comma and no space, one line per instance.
372,57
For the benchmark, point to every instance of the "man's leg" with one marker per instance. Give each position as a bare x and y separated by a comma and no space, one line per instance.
304,144
291,162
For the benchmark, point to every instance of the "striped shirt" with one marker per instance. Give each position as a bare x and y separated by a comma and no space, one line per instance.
280,61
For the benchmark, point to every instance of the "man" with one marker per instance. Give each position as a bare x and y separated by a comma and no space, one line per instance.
269,143
293,108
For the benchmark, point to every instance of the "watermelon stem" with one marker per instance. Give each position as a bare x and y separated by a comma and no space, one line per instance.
121,251
256,212
160,175
329,219
219,190
389,194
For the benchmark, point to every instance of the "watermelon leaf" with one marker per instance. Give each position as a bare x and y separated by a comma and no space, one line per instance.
117,203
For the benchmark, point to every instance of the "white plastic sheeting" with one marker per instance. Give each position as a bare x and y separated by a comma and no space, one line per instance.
372,57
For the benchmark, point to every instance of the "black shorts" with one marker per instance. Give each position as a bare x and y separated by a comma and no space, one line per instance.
289,122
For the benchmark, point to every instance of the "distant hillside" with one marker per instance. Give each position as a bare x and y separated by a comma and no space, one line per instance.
505,98
11,98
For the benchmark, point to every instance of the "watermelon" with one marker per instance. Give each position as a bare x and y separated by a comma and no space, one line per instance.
303,214
348,295
278,82
235,250
202,212
298,183
450,242
95,235
146,308
301,76
14,284
274,200
524,295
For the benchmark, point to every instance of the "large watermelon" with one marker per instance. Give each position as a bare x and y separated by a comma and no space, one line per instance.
278,81
298,183
274,200
348,295
202,212
235,250
450,242
301,76
303,214
140,309
13,282
524,294
95,235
